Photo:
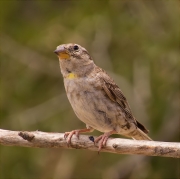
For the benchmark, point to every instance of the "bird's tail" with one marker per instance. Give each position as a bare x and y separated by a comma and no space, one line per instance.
138,134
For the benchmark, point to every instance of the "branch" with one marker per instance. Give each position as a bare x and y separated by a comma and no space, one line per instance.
114,145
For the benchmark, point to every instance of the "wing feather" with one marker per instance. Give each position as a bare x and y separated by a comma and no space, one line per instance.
115,94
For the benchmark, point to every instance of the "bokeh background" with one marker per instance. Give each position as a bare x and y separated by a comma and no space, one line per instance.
136,42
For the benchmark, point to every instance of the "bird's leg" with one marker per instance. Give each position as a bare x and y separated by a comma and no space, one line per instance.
69,135
103,139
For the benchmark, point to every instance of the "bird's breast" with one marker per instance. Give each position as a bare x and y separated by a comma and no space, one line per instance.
89,103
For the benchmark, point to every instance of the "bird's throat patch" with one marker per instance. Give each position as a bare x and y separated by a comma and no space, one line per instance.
71,76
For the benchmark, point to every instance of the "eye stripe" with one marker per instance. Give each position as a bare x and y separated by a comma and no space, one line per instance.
84,51
79,53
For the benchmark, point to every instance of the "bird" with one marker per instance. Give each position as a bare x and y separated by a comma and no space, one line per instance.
95,98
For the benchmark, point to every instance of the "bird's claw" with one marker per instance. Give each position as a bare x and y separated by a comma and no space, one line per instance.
102,139
68,135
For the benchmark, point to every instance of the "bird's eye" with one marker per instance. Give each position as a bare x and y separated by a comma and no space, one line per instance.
76,47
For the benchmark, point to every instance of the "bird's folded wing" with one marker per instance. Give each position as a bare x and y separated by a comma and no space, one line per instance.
116,95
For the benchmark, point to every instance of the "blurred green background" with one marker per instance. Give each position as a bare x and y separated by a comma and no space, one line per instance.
136,42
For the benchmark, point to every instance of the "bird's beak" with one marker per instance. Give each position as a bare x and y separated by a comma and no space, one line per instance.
61,53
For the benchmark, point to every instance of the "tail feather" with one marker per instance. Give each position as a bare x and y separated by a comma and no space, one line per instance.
138,134
140,126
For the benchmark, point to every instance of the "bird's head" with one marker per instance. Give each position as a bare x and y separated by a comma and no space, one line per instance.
73,59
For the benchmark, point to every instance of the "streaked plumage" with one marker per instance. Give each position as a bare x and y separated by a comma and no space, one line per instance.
95,97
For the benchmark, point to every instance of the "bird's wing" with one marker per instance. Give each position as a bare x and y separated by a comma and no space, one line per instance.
115,94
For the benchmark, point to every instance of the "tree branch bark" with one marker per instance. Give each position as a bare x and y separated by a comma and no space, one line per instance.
114,145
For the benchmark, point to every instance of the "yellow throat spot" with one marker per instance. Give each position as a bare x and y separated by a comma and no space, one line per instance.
71,76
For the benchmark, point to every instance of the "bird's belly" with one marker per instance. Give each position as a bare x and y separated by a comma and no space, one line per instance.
93,107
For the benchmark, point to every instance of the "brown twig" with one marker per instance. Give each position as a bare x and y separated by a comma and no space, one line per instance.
114,145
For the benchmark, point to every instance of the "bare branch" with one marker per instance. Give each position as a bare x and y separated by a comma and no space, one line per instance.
114,145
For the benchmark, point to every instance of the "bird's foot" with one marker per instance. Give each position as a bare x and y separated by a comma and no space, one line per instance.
103,139
68,135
